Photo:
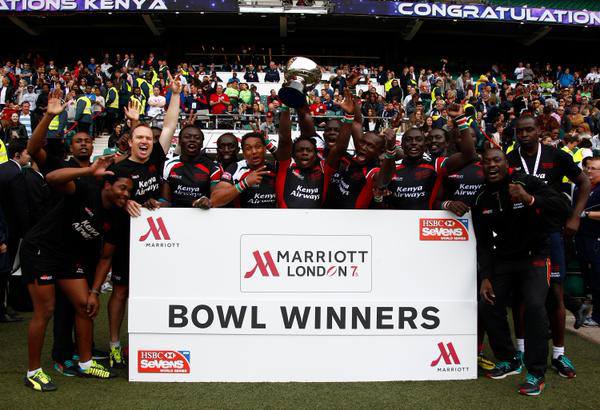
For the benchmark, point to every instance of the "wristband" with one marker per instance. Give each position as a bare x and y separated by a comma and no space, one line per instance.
271,147
284,108
387,155
347,120
241,186
96,291
162,200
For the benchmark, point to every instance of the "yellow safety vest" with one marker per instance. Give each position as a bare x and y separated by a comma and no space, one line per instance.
115,103
511,148
87,110
3,153
577,158
54,123
142,101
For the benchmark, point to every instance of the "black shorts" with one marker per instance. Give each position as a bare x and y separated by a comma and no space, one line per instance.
37,264
120,277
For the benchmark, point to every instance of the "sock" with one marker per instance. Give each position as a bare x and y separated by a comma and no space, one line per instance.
521,345
85,365
115,345
557,351
30,373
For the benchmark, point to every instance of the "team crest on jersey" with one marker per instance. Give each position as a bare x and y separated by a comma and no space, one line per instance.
226,176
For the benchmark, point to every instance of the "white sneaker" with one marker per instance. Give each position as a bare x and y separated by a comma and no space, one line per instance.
589,322
106,287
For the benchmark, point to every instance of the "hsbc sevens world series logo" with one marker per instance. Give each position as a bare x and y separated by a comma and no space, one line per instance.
160,235
263,267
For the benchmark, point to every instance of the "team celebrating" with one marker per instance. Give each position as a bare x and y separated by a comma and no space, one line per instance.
527,200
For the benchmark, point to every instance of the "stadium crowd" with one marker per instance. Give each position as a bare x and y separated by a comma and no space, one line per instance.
518,148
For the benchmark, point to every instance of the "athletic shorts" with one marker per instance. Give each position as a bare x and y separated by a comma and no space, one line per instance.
557,257
37,265
120,277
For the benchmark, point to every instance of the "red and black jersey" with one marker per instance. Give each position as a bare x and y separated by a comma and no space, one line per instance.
351,186
302,188
462,185
256,196
190,180
412,184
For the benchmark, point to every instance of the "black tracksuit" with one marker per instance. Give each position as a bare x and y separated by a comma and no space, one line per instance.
512,252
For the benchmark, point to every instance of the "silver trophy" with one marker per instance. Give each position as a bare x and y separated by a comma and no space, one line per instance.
301,75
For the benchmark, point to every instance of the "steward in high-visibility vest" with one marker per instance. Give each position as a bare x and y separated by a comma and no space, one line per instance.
112,97
144,85
137,94
83,113
57,126
3,153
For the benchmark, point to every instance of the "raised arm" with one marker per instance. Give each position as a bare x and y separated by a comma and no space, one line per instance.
306,122
35,145
172,115
284,147
63,178
464,141
341,144
384,176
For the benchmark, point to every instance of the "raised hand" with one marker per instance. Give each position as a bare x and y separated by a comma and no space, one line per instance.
390,139
99,166
176,86
132,111
454,110
348,104
55,103
255,177
353,78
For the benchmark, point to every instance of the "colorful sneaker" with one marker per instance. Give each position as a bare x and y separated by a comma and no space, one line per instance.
521,358
485,363
98,354
117,360
564,367
533,386
97,371
40,381
589,322
67,368
503,369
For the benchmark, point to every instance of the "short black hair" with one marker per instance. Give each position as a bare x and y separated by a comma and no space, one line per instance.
191,126
300,139
118,173
16,147
258,135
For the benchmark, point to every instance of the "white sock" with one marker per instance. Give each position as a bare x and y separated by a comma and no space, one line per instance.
85,365
557,351
115,345
30,373
521,345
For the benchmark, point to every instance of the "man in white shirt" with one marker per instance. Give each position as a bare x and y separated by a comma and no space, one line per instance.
29,96
519,72
26,118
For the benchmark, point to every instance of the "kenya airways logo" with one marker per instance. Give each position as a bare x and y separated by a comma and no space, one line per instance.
263,267
157,235
443,229
447,354
163,361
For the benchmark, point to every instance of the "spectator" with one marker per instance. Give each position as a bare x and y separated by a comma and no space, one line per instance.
13,129
268,127
28,118
156,103
251,76
272,73
565,79
219,101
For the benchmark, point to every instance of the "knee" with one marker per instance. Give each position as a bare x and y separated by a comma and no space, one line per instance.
44,311
120,293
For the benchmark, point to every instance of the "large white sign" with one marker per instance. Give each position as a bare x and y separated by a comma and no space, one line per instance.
302,295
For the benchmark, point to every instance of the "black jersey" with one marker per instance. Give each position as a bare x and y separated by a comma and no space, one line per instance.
462,185
412,184
76,222
549,164
145,176
302,188
189,181
351,185
257,196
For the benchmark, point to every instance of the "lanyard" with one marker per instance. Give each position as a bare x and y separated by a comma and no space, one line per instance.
537,161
